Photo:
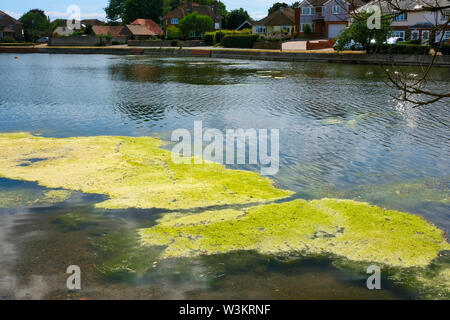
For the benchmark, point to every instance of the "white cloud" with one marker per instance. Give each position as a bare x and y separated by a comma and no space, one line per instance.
13,14
65,15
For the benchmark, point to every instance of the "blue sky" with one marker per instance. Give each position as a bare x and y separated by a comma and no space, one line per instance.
94,8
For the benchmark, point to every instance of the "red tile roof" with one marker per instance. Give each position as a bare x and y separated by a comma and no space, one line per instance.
150,25
105,30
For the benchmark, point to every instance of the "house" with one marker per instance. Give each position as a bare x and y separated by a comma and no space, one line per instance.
137,32
10,27
68,27
245,25
150,25
279,21
92,22
326,18
115,31
173,17
415,21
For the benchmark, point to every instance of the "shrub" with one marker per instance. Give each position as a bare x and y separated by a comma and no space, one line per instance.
412,42
173,33
307,29
240,41
414,49
445,49
210,38
9,39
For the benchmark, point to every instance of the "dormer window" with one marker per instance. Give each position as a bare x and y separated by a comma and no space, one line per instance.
401,17
174,21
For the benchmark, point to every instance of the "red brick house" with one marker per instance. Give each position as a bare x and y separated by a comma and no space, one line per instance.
185,8
326,18
10,27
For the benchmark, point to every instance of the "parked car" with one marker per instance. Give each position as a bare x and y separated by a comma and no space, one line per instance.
42,40
394,40
351,45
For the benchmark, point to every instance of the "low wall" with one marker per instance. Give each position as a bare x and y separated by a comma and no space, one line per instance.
165,43
317,45
74,41
349,58
267,45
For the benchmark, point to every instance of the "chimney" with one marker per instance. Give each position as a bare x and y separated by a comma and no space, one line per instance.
189,6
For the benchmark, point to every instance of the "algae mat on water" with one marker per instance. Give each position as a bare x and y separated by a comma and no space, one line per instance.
136,172
132,172
354,230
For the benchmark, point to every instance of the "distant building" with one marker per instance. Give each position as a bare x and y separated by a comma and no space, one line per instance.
115,31
326,18
247,24
416,21
10,27
68,27
150,25
137,32
279,21
173,17
92,22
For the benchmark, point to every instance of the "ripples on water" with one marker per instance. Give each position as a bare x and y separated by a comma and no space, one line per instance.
341,132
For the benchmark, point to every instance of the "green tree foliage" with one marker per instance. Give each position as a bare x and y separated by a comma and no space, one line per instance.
173,33
235,18
307,29
35,24
130,10
360,33
277,6
195,23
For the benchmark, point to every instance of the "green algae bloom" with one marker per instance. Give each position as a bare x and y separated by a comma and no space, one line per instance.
345,228
132,172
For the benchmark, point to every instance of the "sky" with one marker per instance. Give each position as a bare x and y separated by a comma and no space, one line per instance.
93,9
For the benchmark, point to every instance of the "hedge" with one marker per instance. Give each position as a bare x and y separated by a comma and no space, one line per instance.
240,41
414,49
445,49
209,38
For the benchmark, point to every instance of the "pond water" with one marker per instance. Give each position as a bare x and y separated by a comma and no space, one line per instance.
342,135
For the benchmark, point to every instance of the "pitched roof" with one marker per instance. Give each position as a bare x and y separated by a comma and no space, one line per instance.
139,30
407,5
319,3
11,18
92,22
105,30
150,25
285,17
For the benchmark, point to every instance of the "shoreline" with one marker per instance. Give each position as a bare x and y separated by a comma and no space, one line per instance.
245,54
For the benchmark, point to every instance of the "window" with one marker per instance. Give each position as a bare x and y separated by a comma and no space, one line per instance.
285,28
415,35
321,11
398,34
261,29
216,26
401,17
303,24
425,36
336,9
306,11
174,21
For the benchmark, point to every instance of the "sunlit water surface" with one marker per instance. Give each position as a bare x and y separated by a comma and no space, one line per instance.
342,135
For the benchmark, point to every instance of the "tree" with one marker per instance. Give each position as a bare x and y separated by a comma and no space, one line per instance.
414,88
35,24
195,23
277,6
130,10
360,32
236,17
